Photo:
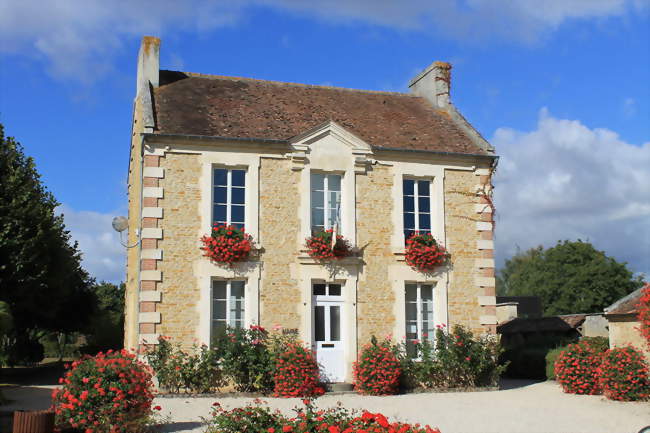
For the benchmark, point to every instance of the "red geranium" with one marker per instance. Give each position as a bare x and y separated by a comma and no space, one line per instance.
643,308
378,370
576,368
424,253
321,247
623,375
296,373
227,244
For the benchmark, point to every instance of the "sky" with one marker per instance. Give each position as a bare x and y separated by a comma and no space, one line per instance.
561,88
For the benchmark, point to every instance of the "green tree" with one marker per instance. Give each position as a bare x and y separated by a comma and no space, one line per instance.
106,329
571,277
41,278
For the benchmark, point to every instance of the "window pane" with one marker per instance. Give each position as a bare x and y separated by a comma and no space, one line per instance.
219,310
317,181
238,178
333,200
423,204
407,184
411,292
238,195
218,328
425,221
411,311
220,177
409,221
317,199
219,290
408,234
219,213
423,187
221,194
334,182
409,205
317,218
335,323
319,322
237,289
332,217
335,290
319,289
410,349
237,214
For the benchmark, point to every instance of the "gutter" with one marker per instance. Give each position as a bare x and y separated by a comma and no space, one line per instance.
436,152
192,137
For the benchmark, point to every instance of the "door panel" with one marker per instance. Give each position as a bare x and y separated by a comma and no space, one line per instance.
328,340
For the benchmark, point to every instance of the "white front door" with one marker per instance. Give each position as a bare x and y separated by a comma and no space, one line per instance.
328,331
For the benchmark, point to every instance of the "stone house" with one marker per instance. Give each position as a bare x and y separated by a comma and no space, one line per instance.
624,324
208,148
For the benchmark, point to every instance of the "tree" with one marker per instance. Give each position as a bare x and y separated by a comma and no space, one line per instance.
106,330
41,278
571,277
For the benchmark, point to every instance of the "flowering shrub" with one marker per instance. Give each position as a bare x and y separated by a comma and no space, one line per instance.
457,359
296,373
576,368
321,247
378,370
623,375
227,244
643,308
424,253
245,358
196,371
110,392
255,418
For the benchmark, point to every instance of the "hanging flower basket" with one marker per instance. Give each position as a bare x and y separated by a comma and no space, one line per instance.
424,253
321,247
227,244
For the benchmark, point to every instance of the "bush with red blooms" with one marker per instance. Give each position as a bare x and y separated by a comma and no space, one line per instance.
378,370
576,368
623,375
424,253
296,373
321,247
258,418
109,392
227,244
643,308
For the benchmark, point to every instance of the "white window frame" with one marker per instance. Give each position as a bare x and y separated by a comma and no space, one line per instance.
416,204
418,310
229,188
326,191
228,296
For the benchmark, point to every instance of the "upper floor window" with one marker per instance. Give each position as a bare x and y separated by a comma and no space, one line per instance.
325,201
417,206
419,315
229,197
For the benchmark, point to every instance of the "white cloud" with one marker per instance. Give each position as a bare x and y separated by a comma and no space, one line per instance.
79,39
567,181
103,256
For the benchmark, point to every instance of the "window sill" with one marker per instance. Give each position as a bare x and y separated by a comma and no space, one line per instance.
305,259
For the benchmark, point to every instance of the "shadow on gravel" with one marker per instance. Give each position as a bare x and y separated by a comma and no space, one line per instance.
176,427
507,383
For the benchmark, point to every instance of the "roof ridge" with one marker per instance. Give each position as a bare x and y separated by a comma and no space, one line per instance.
286,83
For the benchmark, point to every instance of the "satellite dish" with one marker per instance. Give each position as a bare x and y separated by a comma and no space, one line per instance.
120,224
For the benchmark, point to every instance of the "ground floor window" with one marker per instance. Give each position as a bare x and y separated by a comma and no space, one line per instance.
419,315
227,305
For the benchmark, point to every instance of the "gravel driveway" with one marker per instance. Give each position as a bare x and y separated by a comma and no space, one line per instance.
530,408
521,407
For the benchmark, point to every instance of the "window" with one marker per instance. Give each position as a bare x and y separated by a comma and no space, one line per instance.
325,201
417,206
419,315
326,289
227,305
229,197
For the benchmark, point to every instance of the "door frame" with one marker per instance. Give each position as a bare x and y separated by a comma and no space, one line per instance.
328,300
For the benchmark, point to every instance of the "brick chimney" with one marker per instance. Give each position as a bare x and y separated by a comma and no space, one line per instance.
434,84
148,63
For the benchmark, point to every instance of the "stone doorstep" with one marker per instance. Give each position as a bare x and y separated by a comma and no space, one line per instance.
339,387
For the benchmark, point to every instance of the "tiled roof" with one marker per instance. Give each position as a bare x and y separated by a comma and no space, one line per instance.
627,304
562,323
193,104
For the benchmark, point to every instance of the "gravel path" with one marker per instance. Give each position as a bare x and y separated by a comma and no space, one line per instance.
526,408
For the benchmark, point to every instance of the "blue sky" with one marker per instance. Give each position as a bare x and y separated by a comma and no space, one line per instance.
561,88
